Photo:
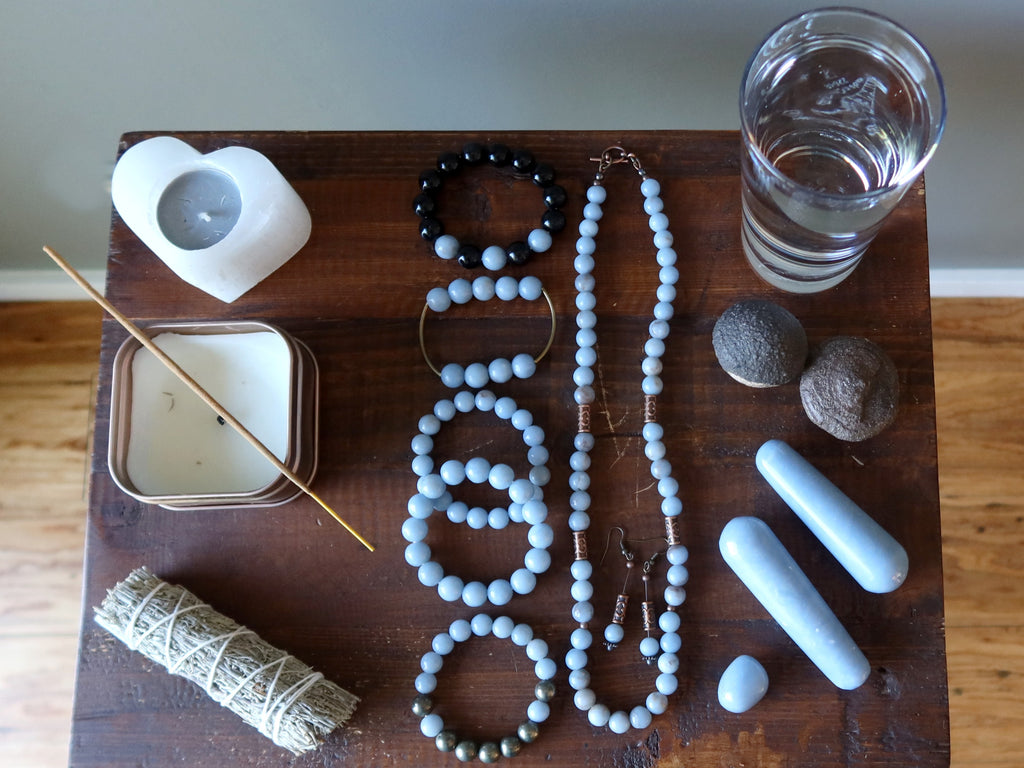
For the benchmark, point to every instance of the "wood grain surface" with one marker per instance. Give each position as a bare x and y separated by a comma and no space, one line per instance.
354,295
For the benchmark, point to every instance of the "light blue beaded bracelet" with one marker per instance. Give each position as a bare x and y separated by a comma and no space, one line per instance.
433,726
500,370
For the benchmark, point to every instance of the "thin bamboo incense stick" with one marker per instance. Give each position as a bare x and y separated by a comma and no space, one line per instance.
195,387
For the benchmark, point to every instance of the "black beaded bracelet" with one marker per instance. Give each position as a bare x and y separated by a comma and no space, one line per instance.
493,257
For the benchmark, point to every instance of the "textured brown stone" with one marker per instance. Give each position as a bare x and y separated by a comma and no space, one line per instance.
759,343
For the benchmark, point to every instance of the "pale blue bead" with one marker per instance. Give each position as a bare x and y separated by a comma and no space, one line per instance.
669,621
457,512
536,650
438,299
584,699
654,347
537,455
652,431
417,553
650,187
586,337
579,500
537,560
667,257
420,506
460,630
668,662
460,290
652,385
582,612
453,472
422,465
522,634
431,486
499,370
671,642
586,356
483,288
579,520
668,275
649,648
421,444
658,222
446,246
538,711
477,518
584,261
588,228
677,575
598,715
465,401
658,329
476,375
614,633
640,718
442,644
666,292
521,418
651,366
533,435
541,536
592,211
668,487
502,627
583,441
660,468
672,506
477,469
530,288
583,376
498,518
474,594
523,581
501,476
540,476
666,683
579,679
523,366
429,424
431,662
586,319
494,258
677,554
596,193
663,239
450,588
430,573
584,282
586,301
539,240
485,400
499,592
481,624
545,669
663,310
657,703
504,407
581,569
653,205
581,590
675,596
618,722
579,461
445,410
654,450
425,683
414,529
506,288
453,375
535,511
579,481
520,490
581,639
515,512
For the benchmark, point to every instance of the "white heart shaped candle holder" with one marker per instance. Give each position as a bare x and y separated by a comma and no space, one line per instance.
222,221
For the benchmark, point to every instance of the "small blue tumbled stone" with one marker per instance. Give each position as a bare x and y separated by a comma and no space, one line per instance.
742,685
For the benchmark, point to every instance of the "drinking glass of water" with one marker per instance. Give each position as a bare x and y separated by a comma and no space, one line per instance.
841,109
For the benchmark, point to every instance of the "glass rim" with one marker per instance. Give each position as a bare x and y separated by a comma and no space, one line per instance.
906,177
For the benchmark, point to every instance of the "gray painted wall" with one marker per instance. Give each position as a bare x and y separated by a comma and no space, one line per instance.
75,75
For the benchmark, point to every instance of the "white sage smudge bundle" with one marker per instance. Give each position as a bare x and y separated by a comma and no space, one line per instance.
269,689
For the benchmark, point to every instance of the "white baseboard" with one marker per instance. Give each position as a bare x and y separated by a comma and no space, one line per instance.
54,285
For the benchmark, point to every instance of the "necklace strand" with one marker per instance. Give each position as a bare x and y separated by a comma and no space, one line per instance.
664,653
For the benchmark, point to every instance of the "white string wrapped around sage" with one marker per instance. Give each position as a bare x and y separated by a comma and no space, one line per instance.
269,689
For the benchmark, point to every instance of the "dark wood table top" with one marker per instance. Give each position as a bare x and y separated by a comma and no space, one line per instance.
354,294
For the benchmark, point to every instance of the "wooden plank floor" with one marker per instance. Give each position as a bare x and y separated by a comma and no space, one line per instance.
48,356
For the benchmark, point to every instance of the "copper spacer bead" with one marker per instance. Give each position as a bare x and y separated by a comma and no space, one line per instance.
619,614
672,531
583,417
647,613
579,545
650,408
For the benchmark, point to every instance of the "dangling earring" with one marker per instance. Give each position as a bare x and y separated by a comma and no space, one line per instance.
649,646
614,632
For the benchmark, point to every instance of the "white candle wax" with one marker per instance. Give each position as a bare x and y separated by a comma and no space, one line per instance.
176,443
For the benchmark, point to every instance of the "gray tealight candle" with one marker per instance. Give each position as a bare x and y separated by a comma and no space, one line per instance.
199,208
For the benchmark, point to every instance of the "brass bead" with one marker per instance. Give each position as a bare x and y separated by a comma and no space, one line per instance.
528,732
544,690
511,746
465,751
422,705
446,741
489,752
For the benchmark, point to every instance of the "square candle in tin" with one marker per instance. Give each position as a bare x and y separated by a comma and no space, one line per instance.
168,447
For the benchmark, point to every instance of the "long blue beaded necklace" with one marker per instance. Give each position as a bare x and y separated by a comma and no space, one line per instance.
665,654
